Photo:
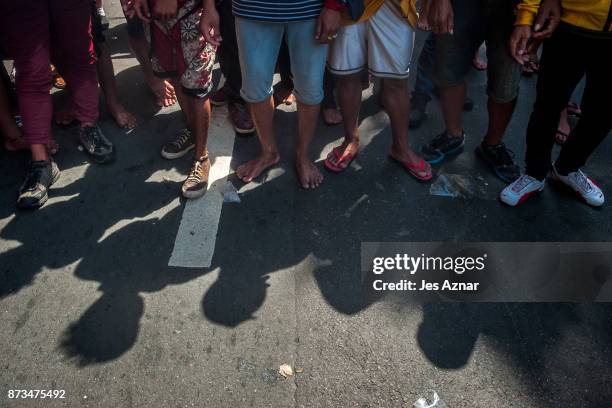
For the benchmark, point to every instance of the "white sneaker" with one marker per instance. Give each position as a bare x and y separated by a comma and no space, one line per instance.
582,185
520,190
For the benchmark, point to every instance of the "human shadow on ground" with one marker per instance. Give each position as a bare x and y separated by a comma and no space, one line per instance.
115,225
322,234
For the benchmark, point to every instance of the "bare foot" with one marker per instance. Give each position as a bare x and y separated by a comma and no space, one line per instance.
347,148
410,157
478,62
331,116
308,173
284,95
123,118
252,169
163,91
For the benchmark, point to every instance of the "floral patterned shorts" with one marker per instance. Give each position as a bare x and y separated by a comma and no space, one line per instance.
179,49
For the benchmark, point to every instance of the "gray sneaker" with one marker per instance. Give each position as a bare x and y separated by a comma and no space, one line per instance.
96,145
34,191
179,146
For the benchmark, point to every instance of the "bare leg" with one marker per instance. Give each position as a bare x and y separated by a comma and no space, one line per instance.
263,115
349,98
162,89
564,129
200,112
451,100
39,152
499,117
184,103
106,76
396,101
308,173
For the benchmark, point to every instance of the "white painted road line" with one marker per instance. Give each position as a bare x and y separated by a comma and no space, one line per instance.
194,245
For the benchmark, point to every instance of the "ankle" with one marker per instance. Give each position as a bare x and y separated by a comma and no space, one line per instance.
269,153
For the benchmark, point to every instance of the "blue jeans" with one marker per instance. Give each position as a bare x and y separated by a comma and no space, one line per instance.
258,46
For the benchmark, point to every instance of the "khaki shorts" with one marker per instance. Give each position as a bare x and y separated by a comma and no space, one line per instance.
383,44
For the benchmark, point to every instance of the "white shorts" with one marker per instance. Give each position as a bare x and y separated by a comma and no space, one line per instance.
383,44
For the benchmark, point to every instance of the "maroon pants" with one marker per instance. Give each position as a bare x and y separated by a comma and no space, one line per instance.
28,28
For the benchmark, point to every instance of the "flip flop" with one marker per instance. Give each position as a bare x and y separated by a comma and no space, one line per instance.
413,168
340,159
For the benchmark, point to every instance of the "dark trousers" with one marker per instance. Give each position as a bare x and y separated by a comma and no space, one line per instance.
566,58
228,52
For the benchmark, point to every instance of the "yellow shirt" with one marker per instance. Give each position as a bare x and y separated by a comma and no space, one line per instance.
593,15
408,8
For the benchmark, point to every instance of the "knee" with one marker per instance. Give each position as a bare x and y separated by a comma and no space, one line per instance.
256,86
309,87
309,92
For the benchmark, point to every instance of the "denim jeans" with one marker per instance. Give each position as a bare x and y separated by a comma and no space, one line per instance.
258,45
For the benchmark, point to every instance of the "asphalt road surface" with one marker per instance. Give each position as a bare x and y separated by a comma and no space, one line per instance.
89,304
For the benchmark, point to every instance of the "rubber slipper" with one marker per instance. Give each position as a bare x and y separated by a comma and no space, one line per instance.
413,168
340,159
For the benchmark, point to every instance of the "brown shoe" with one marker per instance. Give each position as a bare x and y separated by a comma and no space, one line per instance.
240,118
197,181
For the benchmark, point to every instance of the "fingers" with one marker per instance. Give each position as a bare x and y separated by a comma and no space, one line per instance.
450,23
318,29
212,38
142,11
513,45
522,47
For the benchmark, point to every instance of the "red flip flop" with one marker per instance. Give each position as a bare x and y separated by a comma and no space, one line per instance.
340,159
413,168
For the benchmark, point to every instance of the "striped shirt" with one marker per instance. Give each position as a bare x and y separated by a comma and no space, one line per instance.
280,11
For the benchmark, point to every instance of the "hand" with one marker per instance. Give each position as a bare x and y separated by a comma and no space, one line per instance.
165,10
209,24
549,16
518,43
327,25
128,8
141,7
441,17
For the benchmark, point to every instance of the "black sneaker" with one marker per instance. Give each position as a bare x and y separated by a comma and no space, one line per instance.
33,193
179,146
418,112
501,160
442,147
96,145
